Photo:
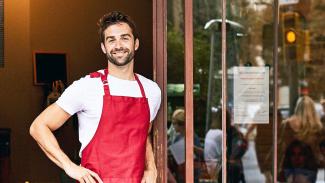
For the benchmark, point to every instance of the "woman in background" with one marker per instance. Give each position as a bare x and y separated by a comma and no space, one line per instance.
299,165
304,126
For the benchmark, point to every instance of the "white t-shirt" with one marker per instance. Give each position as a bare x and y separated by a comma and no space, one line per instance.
213,151
213,147
85,97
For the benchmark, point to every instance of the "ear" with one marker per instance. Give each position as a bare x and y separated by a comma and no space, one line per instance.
103,47
136,44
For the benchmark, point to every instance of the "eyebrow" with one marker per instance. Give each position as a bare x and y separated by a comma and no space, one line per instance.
123,35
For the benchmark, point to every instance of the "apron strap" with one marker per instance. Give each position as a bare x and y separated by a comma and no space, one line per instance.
140,85
105,83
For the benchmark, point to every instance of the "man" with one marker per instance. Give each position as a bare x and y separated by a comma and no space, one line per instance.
115,107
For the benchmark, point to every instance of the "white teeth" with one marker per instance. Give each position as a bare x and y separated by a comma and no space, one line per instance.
118,52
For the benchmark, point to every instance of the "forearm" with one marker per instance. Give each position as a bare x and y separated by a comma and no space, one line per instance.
41,130
150,159
48,143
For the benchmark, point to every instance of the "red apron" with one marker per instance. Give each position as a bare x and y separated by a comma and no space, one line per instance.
117,150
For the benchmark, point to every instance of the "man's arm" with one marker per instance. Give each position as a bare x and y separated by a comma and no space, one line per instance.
41,130
150,173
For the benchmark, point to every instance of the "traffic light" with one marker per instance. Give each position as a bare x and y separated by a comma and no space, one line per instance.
296,37
290,36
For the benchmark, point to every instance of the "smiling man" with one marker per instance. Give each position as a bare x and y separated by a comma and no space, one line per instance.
115,109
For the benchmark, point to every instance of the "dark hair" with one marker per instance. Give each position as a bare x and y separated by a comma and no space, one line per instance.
113,18
310,160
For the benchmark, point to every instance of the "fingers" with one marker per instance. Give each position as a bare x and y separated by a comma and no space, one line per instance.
143,180
149,177
95,175
81,180
87,179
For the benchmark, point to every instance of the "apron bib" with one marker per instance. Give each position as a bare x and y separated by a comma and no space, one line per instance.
117,150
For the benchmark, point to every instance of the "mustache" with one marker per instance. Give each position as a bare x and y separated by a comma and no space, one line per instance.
120,49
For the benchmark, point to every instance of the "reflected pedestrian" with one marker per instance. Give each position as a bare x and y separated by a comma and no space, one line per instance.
299,165
213,146
304,126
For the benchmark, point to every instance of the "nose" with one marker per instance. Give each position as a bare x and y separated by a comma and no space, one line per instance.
118,44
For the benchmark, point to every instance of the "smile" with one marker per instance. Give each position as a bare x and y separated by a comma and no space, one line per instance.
119,52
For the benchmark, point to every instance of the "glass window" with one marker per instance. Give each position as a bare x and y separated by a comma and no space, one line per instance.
301,94
250,41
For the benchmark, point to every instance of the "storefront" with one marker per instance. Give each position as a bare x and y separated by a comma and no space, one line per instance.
249,76
245,64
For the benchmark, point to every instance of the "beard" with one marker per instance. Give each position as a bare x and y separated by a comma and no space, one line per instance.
123,61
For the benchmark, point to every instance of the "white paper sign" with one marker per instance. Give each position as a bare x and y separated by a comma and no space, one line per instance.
251,95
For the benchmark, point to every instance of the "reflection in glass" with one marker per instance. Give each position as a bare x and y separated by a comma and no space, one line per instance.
301,67
299,164
300,143
250,44
213,146
207,63
176,148
250,41
203,12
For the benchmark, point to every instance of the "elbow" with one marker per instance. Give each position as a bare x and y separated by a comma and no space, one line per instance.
33,130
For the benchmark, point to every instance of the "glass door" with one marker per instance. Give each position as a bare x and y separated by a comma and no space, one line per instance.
257,91
250,40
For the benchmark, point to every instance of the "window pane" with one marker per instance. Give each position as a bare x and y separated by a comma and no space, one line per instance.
207,95
175,92
250,66
301,92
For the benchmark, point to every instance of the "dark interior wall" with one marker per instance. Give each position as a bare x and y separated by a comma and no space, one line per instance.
63,26
71,27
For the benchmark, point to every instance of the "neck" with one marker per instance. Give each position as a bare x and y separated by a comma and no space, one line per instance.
121,72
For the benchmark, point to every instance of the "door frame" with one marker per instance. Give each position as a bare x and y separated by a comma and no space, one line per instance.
159,22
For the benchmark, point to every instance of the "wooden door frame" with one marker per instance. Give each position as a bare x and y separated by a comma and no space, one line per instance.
159,22
160,76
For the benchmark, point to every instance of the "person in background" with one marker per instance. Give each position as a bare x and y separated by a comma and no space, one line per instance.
115,107
299,165
177,169
304,126
236,148
213,147
264,145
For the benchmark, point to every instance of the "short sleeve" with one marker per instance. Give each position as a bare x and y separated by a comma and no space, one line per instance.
71,99
155,101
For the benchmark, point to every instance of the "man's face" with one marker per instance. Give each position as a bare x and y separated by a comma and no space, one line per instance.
119,44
